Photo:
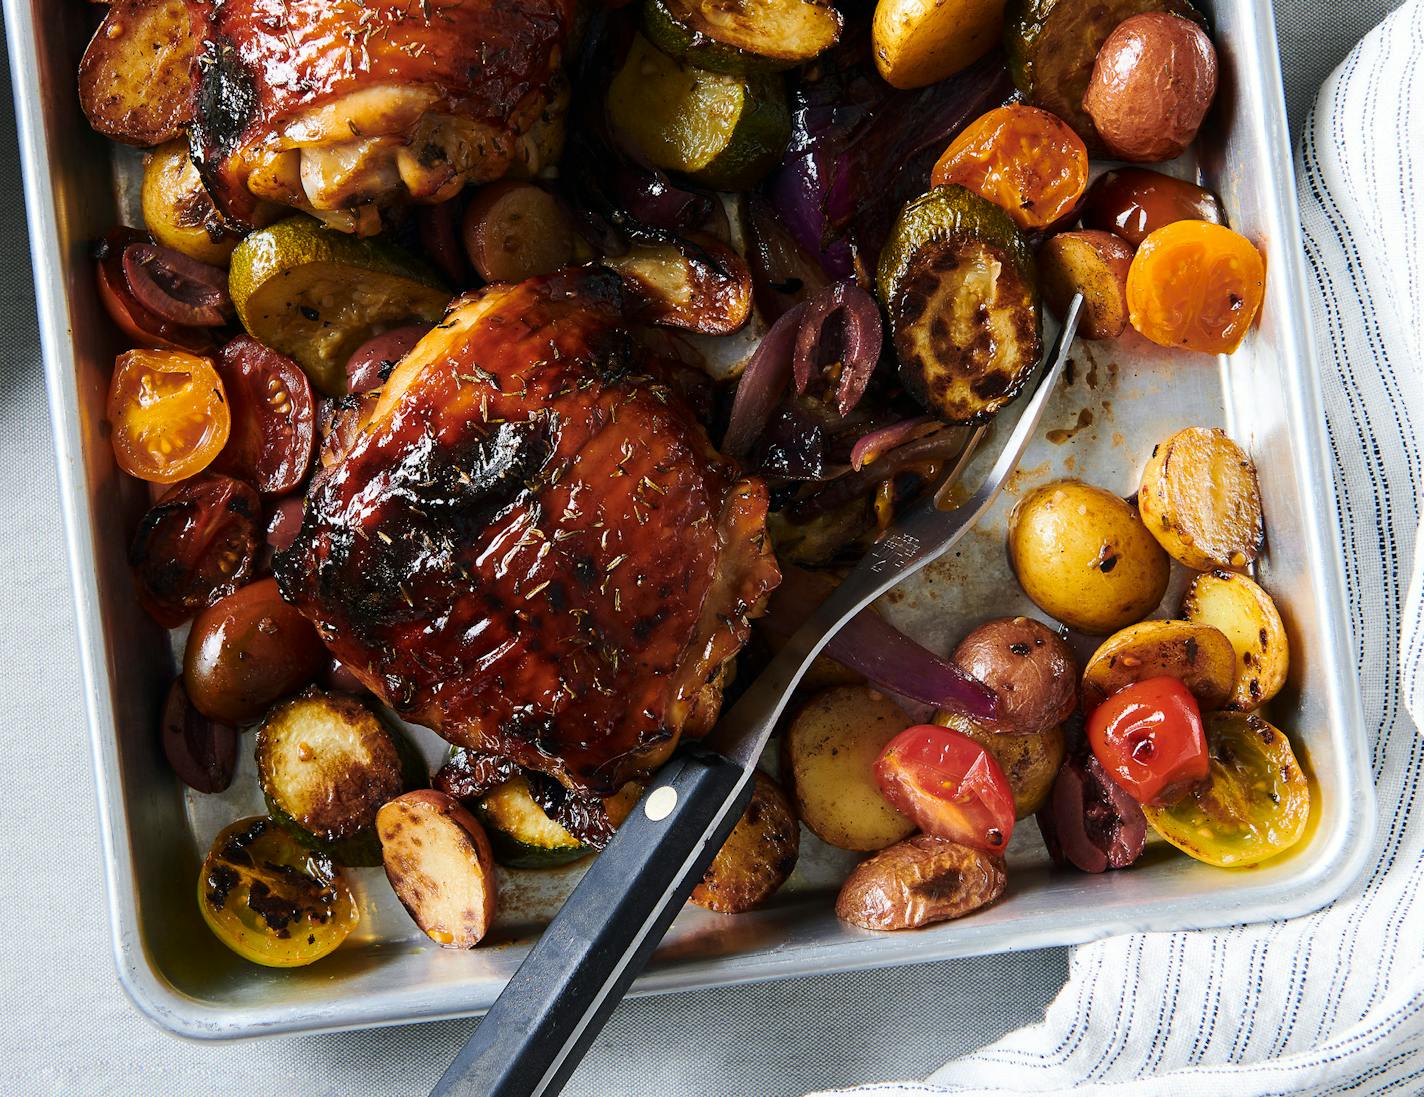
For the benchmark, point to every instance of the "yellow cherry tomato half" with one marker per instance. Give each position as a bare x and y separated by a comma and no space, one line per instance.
168,413
1195,285
1253,805
271,900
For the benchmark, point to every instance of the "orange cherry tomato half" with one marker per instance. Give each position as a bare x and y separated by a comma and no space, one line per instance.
169,414
1149,738
1021,158
949,785
1196,285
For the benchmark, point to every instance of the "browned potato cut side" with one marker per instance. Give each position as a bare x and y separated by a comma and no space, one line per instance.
919,42
1200,499
1029,668
920,882
178,209
757,856
438,861
1094,264
1030,762
1084,557
1245,613
135,79
1199,655
831,748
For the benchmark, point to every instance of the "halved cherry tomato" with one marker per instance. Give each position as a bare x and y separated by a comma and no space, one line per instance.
169,414
195,546
133,318
1021,158
271,900
949,785
273,417
1256,804
1135,202
1149,738
1196,285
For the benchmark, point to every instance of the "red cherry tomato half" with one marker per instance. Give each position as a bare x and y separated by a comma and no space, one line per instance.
1149,738
273,417
195,547
949,785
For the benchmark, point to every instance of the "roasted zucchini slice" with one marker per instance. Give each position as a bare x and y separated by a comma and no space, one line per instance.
521,834
957,281
316,294
1052,44
326,764
742,36
722,131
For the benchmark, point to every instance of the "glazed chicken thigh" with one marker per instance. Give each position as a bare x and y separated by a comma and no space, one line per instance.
340,108
532,547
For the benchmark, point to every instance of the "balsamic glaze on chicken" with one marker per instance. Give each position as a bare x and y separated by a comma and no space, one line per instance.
532,547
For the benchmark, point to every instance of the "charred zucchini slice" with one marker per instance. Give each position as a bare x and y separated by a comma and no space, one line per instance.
521,834
722,131
742,36
1052,44
326,764
316,294
957,280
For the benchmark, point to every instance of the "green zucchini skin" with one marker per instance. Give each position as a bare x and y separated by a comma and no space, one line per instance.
1051,46
963,379
337,807
508,814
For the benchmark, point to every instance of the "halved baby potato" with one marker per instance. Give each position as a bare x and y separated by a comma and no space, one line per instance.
919,42
1200,499
438,860
757,856
831,748
1200,656
918,883
135,79
1239,608
1030,762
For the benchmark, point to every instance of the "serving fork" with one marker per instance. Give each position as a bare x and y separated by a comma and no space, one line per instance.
555,1004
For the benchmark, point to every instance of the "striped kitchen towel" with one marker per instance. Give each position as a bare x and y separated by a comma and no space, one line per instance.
1333,1002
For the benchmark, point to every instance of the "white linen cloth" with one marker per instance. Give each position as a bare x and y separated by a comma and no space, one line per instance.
1332,1002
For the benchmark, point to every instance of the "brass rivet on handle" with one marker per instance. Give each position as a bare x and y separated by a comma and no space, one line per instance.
660,803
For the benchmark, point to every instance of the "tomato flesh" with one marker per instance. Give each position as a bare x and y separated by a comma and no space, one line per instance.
168,414
949,785
1255,805
272,901
1021,158
195,546
1196,285
273,417
1149,738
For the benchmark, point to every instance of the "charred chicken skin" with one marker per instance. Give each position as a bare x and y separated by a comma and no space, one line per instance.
531,546
344,107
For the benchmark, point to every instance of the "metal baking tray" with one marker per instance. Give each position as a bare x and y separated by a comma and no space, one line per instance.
1122,399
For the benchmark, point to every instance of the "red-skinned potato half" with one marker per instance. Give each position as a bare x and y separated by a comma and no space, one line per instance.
949,785
1149,738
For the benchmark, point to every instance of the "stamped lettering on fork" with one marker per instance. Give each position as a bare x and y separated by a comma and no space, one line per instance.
895,551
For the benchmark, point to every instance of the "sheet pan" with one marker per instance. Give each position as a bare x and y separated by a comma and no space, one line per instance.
1122,399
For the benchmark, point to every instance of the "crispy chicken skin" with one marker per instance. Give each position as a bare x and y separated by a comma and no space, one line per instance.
532,547
340,107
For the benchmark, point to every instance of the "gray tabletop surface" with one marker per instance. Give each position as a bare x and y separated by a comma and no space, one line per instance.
70,1030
